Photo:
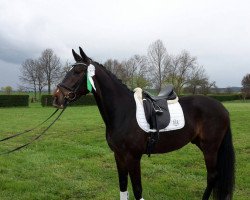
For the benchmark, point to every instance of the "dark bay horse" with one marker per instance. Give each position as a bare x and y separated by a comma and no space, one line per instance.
207,125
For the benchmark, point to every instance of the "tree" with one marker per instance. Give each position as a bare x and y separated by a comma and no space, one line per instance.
41,80
7,90
160,68
158,59
132,72
206,87
67,66
113,66
245,86
181,70
33,74
137,72
29,74
50,64
117,68
21,89
197,79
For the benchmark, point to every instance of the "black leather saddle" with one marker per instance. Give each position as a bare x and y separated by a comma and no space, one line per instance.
165,93
156,108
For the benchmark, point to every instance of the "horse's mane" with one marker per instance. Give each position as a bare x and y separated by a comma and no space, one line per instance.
114,77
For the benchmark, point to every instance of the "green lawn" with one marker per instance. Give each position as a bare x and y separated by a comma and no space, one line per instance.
73,161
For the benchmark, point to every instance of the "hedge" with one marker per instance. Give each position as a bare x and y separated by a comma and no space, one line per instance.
227,97
14,100
220,97
47,100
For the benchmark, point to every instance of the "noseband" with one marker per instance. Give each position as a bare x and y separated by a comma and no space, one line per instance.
70,95
72,92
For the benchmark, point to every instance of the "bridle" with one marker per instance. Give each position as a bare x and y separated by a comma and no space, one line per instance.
71,93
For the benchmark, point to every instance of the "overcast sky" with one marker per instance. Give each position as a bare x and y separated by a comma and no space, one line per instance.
217,32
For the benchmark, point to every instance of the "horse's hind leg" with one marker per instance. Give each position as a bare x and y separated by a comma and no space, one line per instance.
210,160
210,155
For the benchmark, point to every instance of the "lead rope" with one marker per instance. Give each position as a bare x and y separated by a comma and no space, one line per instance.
37,137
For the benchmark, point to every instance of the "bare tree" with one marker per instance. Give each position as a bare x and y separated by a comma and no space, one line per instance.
197,78
41,80
137,71
206,87
246,86
51,66
29,74
113,66
117,68
183,70
33,74
132,72
185,63
160,68
157,58
21,89
67,66
131,68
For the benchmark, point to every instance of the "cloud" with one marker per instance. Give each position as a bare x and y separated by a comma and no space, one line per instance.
217,32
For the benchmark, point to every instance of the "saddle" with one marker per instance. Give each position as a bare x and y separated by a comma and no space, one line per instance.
156,107
157,112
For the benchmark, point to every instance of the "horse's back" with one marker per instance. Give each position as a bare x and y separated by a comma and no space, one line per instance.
203,106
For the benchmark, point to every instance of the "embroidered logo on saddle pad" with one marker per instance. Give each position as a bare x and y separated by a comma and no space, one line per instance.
175,122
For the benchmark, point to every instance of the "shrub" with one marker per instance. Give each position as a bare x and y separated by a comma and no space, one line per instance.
14,100
47,100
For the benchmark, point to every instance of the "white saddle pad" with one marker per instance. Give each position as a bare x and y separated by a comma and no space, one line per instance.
177,120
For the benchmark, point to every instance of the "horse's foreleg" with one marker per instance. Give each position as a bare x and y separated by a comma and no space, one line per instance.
123,176
134,169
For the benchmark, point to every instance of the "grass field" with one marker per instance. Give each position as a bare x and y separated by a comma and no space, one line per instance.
73,161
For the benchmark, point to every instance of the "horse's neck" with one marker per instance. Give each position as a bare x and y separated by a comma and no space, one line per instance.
114,100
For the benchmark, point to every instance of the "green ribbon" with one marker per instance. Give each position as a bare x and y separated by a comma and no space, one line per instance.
89,86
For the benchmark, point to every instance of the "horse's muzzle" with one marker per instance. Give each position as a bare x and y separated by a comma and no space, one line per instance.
59,101
57,104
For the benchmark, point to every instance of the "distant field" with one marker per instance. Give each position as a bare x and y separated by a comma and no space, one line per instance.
73,161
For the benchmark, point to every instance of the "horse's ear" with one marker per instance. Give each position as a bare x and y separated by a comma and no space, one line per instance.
84,56
76,56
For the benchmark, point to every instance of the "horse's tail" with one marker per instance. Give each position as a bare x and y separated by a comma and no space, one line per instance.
224,186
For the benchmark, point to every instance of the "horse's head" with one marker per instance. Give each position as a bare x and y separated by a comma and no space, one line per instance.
74,84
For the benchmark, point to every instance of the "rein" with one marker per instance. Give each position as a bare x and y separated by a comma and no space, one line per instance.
26,131
69,96
37,137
